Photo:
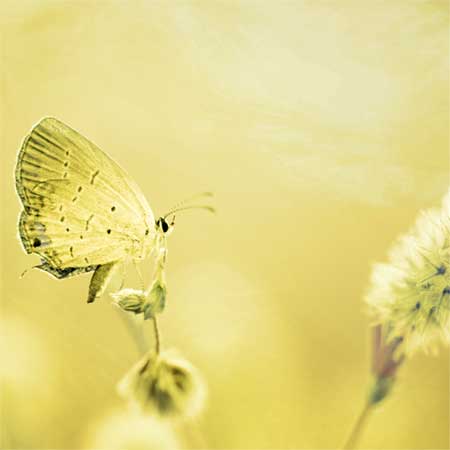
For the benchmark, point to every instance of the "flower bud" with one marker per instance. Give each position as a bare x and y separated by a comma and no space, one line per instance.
136,301
156,300
131,300
165,385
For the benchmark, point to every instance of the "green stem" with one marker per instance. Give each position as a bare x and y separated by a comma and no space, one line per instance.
358,427
157,337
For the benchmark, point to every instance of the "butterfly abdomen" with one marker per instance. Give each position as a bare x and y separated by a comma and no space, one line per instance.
99,280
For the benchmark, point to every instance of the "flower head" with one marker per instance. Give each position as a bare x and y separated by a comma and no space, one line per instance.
411,293
164,384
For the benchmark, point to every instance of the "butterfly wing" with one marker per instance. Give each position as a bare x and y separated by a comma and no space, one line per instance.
81,209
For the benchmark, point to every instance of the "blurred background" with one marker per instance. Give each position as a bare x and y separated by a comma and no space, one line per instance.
322,129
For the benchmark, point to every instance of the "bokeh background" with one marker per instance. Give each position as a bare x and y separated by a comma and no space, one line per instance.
322,128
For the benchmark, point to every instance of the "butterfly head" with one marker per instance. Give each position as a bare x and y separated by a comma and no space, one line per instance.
163,226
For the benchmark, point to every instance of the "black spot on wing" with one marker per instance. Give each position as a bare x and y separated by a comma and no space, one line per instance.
88,221
94,175
41,240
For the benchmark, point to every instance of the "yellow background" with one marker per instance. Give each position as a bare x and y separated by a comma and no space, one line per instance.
322,128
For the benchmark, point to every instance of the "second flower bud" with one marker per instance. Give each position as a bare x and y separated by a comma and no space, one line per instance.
149,303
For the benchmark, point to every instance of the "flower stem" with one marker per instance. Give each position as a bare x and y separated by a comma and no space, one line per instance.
358,427
157,337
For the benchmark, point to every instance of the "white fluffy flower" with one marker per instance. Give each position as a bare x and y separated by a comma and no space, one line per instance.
411,293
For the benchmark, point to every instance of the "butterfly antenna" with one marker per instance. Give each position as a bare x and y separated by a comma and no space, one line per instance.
194,197
184,208
179,206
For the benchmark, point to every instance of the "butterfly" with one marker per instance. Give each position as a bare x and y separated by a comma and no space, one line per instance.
81,211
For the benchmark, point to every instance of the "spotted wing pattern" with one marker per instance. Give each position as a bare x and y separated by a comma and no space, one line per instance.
81,209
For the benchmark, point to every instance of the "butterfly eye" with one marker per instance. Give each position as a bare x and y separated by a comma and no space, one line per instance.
161,223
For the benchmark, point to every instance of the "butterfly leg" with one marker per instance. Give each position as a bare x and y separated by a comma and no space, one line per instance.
124,274
99,280
138,271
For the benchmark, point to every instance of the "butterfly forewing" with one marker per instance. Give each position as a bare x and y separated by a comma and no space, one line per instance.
80,207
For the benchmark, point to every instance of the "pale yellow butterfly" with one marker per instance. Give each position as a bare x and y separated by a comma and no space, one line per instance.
82,211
